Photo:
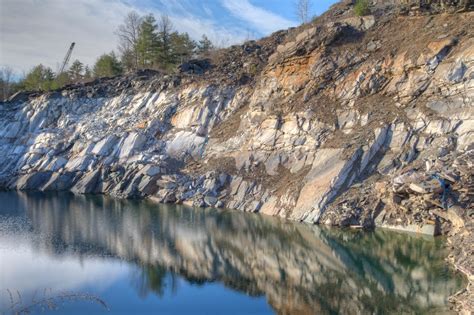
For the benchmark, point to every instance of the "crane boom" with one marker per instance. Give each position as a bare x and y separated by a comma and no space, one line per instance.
66,58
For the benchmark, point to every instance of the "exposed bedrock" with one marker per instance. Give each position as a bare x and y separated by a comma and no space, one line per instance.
344,121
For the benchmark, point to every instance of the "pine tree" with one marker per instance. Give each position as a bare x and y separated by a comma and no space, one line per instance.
129,60
87,73
39,78
60,80
182,47
107,65
76,71
154,44
205,45
165,31
147,43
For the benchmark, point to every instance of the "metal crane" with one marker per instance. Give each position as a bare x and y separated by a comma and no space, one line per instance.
66,58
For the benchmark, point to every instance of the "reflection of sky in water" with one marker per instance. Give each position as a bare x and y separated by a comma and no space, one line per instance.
29,267
27,270
23,268
143,258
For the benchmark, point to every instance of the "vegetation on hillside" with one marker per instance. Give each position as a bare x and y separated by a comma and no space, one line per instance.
361,7
144,42
107,65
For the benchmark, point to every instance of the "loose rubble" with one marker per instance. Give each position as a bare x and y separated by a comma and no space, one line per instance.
349,121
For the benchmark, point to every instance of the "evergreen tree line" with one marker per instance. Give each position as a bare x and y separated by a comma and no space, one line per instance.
42,78
148,43
144,43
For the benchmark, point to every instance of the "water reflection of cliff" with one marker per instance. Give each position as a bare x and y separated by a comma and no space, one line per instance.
301,269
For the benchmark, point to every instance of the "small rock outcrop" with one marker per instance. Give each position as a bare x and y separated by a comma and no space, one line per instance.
349,121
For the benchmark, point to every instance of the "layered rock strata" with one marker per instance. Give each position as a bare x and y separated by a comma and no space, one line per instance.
288,126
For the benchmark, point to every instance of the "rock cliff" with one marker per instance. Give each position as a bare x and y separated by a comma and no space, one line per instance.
346,120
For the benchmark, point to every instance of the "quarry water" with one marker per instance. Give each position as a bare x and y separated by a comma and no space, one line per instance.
65,254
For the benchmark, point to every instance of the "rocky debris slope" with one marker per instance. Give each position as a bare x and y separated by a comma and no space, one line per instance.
417,7
344,121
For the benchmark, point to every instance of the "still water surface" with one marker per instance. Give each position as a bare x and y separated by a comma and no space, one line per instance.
65,254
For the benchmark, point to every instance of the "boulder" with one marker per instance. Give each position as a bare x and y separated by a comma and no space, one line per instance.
57,163
32,181
210,201
148,185
60,182
88,183
195,66
105,146
166,184
135,141
80,163
184,143
151,170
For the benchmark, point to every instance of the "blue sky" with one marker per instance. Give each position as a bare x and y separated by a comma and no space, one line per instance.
40,31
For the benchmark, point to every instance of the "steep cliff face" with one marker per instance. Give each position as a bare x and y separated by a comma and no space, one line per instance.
352,109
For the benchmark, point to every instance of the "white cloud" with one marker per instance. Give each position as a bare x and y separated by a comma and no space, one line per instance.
219,35
40,31
34,32
265,21
197,19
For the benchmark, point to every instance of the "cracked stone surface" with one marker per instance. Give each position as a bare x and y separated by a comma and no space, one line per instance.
311,124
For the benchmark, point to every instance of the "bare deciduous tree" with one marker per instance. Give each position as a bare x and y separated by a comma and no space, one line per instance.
6,80
128,34
302,10
165,28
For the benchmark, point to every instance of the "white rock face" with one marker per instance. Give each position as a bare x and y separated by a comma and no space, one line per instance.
307,128
132,143
104,146
185,143
325,176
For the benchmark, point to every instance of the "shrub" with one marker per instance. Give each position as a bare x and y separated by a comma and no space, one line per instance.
361,7
252,69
